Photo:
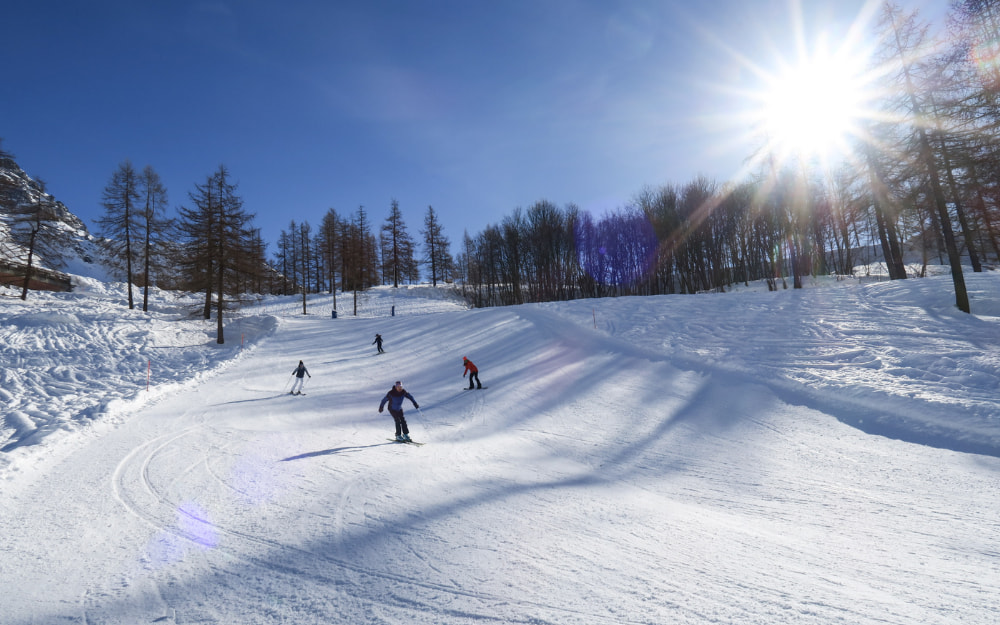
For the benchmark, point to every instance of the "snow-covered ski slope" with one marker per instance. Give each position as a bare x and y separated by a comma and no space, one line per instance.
828,455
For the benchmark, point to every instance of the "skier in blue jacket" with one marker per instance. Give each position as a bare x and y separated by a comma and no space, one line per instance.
299,372
395,398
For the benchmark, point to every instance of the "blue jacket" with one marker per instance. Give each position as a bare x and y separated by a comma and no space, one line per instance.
395,399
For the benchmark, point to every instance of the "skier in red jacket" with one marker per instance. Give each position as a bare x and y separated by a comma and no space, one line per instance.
473,373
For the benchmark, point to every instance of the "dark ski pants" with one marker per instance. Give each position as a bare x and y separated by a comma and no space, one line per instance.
400,420
475,376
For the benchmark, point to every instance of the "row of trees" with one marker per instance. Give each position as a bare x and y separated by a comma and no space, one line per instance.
926,173
344,250
211,246
672,239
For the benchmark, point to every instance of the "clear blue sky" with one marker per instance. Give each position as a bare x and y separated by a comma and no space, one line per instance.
473,107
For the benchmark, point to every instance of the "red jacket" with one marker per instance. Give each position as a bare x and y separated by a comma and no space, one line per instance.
469,367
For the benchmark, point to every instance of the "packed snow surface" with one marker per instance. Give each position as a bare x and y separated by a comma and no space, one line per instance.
825,455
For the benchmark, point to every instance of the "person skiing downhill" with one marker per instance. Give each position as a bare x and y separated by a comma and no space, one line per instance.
299,372
378,342
395,398
473,373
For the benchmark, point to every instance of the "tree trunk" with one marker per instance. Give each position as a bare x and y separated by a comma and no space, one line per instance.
927,156
27,270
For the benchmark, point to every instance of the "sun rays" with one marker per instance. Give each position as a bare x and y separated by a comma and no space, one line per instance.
813,107
813,110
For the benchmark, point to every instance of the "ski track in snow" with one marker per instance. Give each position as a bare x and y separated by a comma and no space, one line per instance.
696,459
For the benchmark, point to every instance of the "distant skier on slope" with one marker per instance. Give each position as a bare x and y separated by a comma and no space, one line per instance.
378,342
299,372
473,373
395,398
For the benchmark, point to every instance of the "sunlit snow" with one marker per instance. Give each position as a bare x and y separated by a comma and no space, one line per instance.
824,455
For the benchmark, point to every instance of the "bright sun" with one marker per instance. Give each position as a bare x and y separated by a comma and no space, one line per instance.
812,110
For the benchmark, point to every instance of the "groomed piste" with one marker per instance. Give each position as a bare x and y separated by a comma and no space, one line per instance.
825,455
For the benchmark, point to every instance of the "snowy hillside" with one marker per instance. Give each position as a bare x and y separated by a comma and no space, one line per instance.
828,455
65,243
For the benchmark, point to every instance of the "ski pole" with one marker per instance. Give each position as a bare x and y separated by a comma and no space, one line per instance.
423,420
287,383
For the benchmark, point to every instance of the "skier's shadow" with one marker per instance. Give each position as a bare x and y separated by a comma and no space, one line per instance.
337,450
249,401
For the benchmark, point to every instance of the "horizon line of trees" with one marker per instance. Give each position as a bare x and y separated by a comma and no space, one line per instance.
345,252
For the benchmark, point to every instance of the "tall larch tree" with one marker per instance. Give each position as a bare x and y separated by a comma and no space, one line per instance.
436,247
398,244
121,220
904,39
219,243
153,224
